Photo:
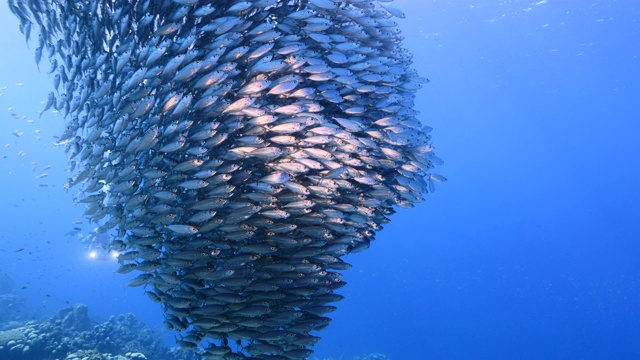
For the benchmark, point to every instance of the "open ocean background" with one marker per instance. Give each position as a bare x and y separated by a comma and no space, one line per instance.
531,250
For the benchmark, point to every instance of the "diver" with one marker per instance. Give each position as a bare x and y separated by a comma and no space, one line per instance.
97,245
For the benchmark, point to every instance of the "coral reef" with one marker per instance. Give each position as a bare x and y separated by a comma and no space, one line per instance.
72,334
96,355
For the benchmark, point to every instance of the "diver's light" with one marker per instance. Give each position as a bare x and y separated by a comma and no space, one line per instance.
115,254
93,254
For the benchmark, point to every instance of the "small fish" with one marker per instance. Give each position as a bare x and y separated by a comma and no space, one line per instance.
183,229
51,99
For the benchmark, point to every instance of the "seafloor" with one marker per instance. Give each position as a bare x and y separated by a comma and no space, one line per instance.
73,335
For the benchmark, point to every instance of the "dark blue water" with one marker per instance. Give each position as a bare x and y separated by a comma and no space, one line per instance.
529,251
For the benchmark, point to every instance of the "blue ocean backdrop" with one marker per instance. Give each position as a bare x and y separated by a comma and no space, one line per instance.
530,250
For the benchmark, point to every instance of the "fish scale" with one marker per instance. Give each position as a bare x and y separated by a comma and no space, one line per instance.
302,192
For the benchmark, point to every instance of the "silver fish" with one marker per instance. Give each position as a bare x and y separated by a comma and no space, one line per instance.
238,149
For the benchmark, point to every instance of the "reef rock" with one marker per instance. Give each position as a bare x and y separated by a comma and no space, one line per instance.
72,334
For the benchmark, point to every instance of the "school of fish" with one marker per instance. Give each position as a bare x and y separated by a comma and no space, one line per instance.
237,150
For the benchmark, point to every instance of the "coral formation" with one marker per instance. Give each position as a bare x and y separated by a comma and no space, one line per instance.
72,334
96,355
